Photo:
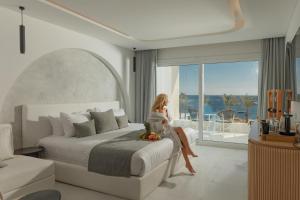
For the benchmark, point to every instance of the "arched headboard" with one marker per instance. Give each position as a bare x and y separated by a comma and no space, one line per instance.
65,76
35,123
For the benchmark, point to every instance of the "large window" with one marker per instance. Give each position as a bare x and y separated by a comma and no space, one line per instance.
230,100
223,96
181,83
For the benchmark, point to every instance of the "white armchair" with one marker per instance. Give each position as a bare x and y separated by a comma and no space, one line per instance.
22,174
6,142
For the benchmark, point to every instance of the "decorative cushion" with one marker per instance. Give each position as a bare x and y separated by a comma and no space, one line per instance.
122,121
117,112
104,121
68,120
85,129
6,142
57,128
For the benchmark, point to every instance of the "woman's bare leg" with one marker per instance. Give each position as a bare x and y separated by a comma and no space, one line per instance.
186,150
182,136
188,164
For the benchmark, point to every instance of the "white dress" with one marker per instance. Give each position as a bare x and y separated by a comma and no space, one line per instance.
165,130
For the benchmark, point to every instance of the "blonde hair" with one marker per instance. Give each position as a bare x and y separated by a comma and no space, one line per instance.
160,101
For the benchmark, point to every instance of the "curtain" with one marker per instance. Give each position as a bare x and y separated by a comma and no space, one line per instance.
277,70
272,71
290,65
145,83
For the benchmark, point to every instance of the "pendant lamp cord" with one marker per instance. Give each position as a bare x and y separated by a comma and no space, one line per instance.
21,8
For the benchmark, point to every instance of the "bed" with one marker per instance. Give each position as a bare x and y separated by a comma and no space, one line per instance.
149,166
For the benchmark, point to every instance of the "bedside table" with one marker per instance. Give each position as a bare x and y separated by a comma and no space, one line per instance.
30,151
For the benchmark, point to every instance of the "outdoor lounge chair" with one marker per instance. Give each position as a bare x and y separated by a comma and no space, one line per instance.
226,116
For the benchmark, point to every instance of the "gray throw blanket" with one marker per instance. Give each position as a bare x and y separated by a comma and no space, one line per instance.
113,158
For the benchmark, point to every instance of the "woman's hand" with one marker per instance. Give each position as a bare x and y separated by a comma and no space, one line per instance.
164,122
165,111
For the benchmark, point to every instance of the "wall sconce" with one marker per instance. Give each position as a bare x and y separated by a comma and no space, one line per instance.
22,32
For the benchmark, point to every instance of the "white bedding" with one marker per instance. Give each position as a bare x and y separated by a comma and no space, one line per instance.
77,150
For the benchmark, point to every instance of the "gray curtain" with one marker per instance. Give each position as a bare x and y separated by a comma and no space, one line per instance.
145,83
272,71
277,70
290,68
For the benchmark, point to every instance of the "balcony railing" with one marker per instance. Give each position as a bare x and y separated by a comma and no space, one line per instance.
217,129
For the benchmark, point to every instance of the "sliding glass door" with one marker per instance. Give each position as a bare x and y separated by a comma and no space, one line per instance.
216,100
181,83
230,100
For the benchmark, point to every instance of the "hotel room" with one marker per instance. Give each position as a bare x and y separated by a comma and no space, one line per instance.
149,100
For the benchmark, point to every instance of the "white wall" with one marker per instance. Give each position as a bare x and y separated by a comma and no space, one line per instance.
42,38
168,83
294,24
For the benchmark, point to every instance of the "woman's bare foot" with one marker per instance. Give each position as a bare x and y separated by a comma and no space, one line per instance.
190,168
192,153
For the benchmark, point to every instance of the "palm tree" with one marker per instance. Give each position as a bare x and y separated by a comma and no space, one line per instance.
248,102
229,101
207,100
184,103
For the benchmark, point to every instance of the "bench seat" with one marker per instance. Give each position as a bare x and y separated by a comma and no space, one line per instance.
24,175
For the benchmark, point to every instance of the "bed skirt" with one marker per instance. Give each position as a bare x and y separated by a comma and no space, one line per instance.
134,187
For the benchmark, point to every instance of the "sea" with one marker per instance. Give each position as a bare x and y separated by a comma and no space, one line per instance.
216,104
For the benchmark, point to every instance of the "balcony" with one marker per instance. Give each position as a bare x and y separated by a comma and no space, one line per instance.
218,130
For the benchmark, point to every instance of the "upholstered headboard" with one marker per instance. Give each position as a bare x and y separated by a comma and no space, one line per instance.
35,123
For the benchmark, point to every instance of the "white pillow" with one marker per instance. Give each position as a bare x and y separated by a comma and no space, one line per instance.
57,128
6,142
67,121
85,113
96,109
119,112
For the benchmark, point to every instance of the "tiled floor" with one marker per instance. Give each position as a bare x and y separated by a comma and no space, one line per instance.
232,137
221,175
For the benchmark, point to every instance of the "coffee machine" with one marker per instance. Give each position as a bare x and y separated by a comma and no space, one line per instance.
285,125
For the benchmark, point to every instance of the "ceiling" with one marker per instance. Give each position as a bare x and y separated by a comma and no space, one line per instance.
148,24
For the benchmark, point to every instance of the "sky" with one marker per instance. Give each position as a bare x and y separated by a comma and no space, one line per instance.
237,78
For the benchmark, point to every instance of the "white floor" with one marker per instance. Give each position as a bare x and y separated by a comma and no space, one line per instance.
221,175
231,137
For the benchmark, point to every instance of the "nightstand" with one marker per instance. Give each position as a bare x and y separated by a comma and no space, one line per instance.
30,151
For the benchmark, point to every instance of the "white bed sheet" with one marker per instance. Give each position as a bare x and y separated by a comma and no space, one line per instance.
76,150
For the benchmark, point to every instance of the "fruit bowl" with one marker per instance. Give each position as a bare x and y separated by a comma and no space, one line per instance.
152,136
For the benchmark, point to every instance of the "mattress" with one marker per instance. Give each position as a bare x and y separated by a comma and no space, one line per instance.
77,150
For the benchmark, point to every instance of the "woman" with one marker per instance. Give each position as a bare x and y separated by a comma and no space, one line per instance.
159,122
